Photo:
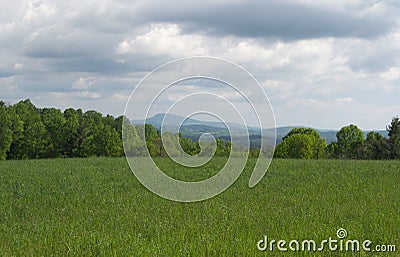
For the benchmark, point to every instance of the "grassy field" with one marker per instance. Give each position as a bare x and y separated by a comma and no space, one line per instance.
96,207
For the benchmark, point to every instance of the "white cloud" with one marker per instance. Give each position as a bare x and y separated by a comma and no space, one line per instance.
392,74
58,94
84,83
252,52
88,94
79,94
163,39
279,91
344,100
120,97
36,12
18,66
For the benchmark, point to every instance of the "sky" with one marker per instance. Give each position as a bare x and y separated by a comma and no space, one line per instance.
324,64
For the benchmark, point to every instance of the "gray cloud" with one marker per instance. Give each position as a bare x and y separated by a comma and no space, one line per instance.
273,19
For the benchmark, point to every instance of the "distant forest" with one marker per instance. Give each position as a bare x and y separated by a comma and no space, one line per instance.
28,132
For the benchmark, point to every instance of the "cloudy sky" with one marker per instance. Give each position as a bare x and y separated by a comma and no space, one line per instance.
323,63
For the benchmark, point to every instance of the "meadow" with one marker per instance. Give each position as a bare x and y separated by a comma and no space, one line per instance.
96,207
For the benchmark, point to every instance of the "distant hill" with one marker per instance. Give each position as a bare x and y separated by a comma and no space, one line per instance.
193,128
173,120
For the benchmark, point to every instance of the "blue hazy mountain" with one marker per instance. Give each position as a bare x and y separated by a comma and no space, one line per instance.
173,120
194,128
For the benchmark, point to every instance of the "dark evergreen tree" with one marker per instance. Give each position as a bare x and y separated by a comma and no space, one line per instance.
394,138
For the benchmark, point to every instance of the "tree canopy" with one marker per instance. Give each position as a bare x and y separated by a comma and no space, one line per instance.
301,143
350,142
28,132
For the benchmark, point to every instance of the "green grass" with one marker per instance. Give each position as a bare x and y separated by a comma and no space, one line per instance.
96,207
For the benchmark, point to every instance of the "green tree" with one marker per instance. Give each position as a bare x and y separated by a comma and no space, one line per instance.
350,141
54,122
190,147
223,148
5,132
282,150
17,128
99,137
303,143
133,143
394,138
117,125
109,142
306,131
300,146
72,133
32,138
332,150
153,140
93,141
318,144
376,146
172,143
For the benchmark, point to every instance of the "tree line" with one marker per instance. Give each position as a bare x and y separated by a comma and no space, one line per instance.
306,143
28,132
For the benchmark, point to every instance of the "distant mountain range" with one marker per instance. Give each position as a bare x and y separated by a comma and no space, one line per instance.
193,128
